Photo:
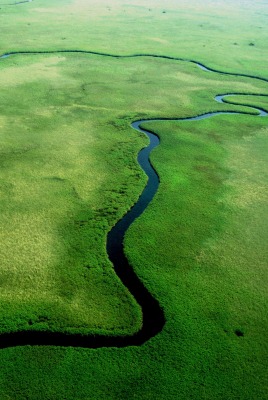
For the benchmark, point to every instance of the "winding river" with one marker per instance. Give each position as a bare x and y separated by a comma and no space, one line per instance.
153,315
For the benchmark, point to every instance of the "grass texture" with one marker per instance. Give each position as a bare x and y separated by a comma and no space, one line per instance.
233,32
69,172
74,147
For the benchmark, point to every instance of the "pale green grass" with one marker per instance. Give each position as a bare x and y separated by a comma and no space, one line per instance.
69,172
220,33
262,100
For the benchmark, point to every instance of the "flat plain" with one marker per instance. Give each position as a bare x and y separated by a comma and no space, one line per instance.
69,172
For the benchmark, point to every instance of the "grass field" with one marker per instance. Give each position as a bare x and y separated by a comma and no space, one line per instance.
233,32
69,172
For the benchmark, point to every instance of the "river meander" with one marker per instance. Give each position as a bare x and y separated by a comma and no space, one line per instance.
153,315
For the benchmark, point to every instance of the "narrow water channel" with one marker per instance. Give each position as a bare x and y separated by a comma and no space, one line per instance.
153,315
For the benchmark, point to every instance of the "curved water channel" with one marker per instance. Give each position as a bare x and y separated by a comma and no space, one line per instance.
16,3
153,316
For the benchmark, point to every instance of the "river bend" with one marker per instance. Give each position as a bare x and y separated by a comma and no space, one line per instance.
153,315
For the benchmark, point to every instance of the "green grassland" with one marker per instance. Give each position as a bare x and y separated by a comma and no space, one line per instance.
64,137
235,32
69,172
262,101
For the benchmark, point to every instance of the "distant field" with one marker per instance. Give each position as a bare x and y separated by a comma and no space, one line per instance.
69,172
211,31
